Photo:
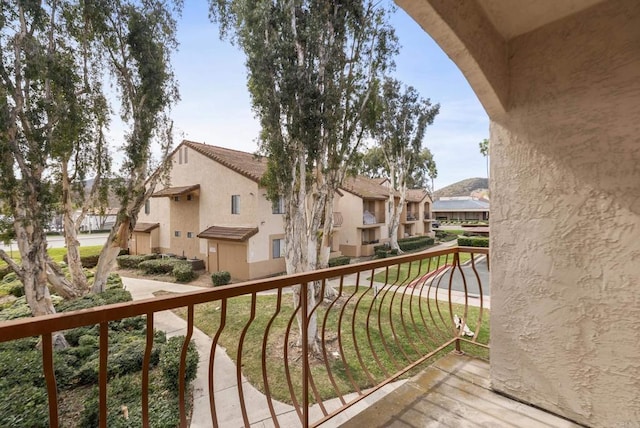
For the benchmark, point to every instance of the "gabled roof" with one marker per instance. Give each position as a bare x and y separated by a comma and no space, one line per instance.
416,195
251,166
228,233
366,188
145,227
175,191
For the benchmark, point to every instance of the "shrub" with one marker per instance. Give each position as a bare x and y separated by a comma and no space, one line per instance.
132,262
158,266
220,278
114,295
339,261
183,272
9,277
14,288
4,271
170,362
475,241
24,406
88,262
382,253
415,243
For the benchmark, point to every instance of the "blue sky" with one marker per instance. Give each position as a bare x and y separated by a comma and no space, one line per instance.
215,107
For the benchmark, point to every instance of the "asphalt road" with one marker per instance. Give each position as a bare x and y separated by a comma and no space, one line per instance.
471,280
57,241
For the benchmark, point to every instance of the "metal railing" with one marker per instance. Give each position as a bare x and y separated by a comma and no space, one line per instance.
383,320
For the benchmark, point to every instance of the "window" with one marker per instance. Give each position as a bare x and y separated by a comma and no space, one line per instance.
189,197
147,206
180,156
235,204
176,198
277,207
177,234
277,248
189,234
185,155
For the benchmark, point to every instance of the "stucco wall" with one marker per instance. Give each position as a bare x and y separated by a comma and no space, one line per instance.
565,189
565,225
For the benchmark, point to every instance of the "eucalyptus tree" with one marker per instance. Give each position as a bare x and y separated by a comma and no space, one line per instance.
42,109
372,164
137,38
312,67
399,132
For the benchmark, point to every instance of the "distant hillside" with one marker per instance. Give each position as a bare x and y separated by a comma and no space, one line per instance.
462,188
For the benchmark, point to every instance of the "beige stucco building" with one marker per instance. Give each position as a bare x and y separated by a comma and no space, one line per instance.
560,81
215,210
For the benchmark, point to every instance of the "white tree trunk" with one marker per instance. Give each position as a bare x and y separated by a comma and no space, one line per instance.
116,240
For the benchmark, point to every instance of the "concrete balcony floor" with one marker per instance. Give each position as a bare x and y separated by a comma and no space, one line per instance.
454,392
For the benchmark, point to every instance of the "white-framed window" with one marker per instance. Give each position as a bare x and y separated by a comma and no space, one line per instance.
177,233
277,206
235,204
176,198
189,234
147,206
277,248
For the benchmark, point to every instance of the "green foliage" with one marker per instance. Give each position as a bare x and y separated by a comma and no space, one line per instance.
159,266
114,295
170,362
220,278
473,241
183,272
88,262
339,261
416,243
132,262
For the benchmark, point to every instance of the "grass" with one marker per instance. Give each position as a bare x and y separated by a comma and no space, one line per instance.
380,354
407,272
57,254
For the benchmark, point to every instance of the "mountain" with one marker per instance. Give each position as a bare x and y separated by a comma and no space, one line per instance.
462,188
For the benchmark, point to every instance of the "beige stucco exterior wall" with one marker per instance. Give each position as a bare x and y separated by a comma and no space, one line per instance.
213,207
565,220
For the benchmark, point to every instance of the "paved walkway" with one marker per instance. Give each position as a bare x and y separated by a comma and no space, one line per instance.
226,386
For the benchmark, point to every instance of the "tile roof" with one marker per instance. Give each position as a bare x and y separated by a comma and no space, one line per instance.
228,233
247,164
416,195
145,227
366,188
460,205
175,191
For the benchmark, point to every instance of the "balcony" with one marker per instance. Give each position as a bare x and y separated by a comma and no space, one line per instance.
390,320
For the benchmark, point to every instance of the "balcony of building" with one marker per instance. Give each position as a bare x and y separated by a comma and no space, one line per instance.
381,340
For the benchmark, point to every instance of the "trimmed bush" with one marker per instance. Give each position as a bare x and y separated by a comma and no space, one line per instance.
132,262
220,278
415,243
475,241
183,272
159,266
170,362
339,261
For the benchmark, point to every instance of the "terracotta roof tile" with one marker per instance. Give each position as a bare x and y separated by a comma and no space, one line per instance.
366,188
228,233
145,227
175,191
250,165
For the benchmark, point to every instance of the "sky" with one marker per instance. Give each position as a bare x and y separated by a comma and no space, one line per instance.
215,107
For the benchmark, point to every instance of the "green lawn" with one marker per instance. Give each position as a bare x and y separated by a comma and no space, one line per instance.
57,254
407,272
419,335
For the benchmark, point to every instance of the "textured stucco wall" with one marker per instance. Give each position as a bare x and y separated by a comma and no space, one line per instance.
565,205
565,219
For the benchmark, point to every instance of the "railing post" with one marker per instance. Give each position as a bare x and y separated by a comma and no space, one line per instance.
304,295
456,262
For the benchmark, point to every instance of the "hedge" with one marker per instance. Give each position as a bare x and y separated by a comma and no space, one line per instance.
339,261
183,272
415,244
159,266
220,278
132,262
475,241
